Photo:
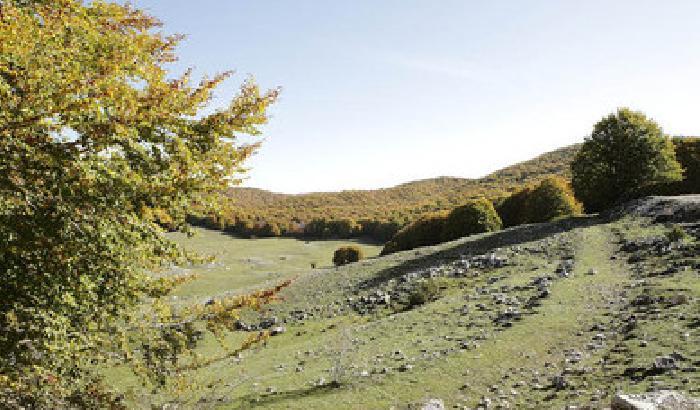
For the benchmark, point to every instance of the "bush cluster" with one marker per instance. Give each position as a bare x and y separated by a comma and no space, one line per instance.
476,216
550,199
347,254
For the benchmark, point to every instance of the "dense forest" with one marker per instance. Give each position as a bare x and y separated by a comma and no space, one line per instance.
373,214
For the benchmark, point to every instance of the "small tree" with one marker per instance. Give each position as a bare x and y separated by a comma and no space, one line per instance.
551,199
426,230
423,292
347,254
625,152
513,209
474,217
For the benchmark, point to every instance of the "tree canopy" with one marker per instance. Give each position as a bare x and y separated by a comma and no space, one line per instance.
377,214
97,141
625,152
475,216
551,198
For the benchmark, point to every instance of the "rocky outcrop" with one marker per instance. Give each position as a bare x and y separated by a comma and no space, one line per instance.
662,208
662,400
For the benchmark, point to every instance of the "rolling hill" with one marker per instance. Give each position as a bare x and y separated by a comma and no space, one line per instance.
547,316
376,214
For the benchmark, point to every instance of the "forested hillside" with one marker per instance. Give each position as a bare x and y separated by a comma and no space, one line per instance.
376,214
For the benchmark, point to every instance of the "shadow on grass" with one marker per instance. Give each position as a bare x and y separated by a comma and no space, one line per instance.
264,400
479,244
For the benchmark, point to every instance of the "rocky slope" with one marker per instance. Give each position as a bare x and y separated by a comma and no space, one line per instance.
539,316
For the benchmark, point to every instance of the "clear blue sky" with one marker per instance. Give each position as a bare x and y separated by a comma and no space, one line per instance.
380,92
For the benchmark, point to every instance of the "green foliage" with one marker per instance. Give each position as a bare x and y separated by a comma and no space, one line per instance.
423,292
688,155
347,254
550,199
97,147
513,209
676,234
375,214
427,230
475,216
626,152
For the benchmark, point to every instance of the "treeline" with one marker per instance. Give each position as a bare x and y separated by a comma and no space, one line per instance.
374,214
256,226
517,192
655,165
549,199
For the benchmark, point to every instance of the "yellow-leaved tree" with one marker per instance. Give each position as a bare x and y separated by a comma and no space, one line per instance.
98,141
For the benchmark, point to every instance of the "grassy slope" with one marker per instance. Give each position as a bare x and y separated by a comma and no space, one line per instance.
511,366
245,264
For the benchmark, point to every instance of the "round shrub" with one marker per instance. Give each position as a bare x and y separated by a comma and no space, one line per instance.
423,292
551,199
512,209
425,231
474,217
347,254
626,152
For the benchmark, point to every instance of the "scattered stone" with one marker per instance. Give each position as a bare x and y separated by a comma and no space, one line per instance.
662,400
405,367
663,363
559,382
277,330
241,325
485,402
433,404
267,323
678,299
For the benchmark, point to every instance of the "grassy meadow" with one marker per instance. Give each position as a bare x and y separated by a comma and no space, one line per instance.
573,346
242,265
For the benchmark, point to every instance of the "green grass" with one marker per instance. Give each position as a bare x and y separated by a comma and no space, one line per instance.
246,264
511,366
